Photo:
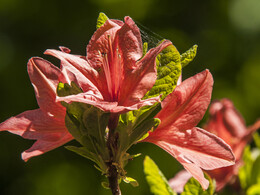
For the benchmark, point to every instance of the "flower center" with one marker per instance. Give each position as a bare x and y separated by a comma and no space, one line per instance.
113,70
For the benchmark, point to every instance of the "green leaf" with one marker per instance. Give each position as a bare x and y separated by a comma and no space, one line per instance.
257,139
143,128
168,71
105,185
146,113
102,18
83,151
95,122
87,124
132,128
188,56
249,173
255,173
64,89
245,171
193,187
73,119
131,180
254,189
145,48
129,134
155,178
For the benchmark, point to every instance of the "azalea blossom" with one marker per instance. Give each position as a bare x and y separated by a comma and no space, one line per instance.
193,147
113,76
227,123
116,76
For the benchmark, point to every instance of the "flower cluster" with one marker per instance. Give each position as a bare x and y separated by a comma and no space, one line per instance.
101,101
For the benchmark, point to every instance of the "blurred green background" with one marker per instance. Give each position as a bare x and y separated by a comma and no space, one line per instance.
228,36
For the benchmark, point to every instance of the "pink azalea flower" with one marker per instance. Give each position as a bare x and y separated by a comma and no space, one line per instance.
114,77
193,147
227,123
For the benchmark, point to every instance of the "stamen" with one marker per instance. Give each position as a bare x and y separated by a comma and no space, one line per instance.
107,74
112,66
118,73
110,47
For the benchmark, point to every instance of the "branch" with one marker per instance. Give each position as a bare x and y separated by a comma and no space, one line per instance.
113,180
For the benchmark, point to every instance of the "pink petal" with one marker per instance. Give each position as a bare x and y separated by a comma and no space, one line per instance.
43,146
106,106
254,127
232,119
224,175
196,172
129,43
180,179
179,80
137,105
239,144
38,125
118,22
186,105
100,43
65,49
226,122
45,78
195,148
85,75
90,98
141,79
75,61
83,82
215,124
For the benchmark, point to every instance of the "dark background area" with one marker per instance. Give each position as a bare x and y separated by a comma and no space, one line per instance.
228,36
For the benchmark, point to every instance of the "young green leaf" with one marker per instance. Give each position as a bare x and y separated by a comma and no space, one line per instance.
102,18
131,180
188,56
145,48
168,71
155,178
193,187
